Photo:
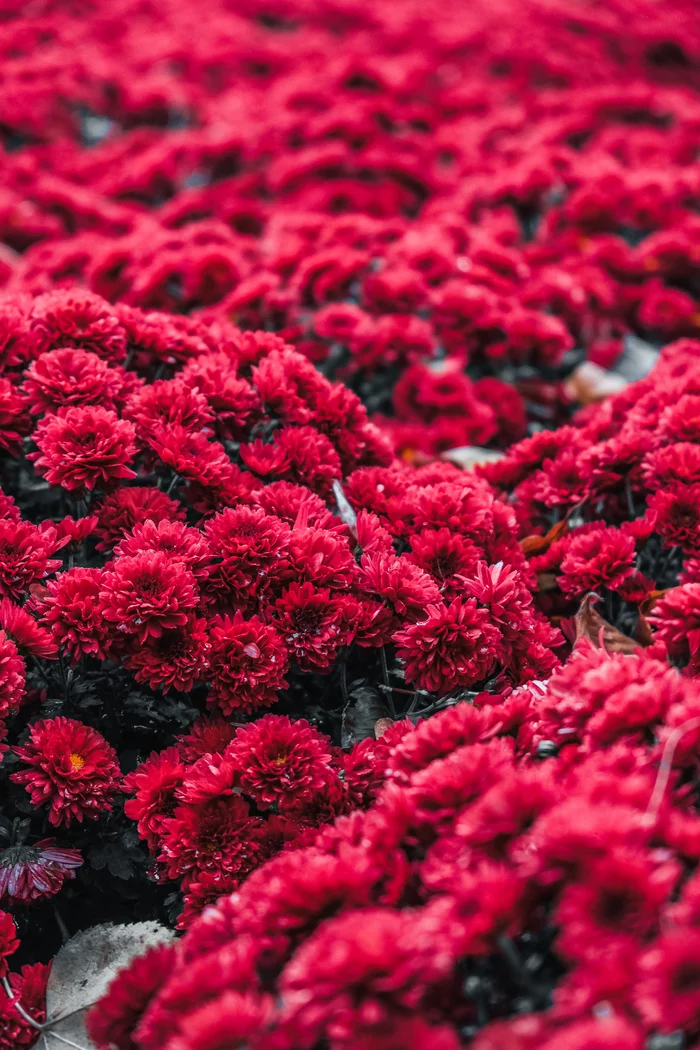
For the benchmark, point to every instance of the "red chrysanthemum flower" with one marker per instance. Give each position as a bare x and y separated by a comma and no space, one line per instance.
446,556
12,675
248,662
603,557
168,402
312,460
25,556
313,624
74,769
249,547
30,873
76,318
69,378
502,592
287,501
403,586
83,448
9,942
124,509
14,418
277,758
27,634
217,836
191,455
676,517
323,558
676,619
148,594
71,609
208,735
234,401
154,784
176,659
455,646
113,1024
179,541
28,988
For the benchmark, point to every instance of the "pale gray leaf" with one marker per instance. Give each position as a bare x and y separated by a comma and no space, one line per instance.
83,970
347,514
469,456
364,708
637,359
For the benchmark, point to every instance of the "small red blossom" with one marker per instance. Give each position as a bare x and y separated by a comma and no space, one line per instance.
29,873
276,758
84,448
73,769
248,662
148,593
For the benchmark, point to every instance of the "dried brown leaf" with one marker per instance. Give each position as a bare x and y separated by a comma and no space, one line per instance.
591,625
540,544
589,384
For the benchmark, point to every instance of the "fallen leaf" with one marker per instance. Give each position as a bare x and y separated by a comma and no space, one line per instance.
591,625
469,456
381,726
540,544
589,384
83,970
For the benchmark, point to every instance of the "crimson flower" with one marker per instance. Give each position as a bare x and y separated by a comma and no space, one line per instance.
28,873
83,448
26,632
12,674
313,624
74,769
154,784
25,556
124,509
455,646
68,378
147,594
8,941
248,663
279,758
71,609
176,659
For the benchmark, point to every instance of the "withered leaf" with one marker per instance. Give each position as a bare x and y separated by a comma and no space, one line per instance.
540,544
591,625
589,384
381,726
469,456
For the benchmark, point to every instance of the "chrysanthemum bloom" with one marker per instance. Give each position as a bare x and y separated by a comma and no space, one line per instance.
667,990
29,989
84,448
234,401
76,318
72,611
128,995
312,459
455,646
14,418
446,556
248,662
168,402
154,784
176,659
31,639
25,556
313,624
276,757
177,540
676,620
69,378
321,557
676,516
190,455
249,547
74,769
502,592
9,942
124,509
405,588
601,558
29,873
148,594
12,676
217,836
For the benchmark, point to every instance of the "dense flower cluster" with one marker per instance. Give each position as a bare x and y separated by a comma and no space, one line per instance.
451,209
495,891
197,521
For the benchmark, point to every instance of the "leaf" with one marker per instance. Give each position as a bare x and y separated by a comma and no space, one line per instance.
469,456
637,359
540,544
365,707
381,726
83,970
591,625
589,384
347,514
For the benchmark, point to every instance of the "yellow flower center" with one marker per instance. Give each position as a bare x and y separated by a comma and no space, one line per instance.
77,761
279,761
